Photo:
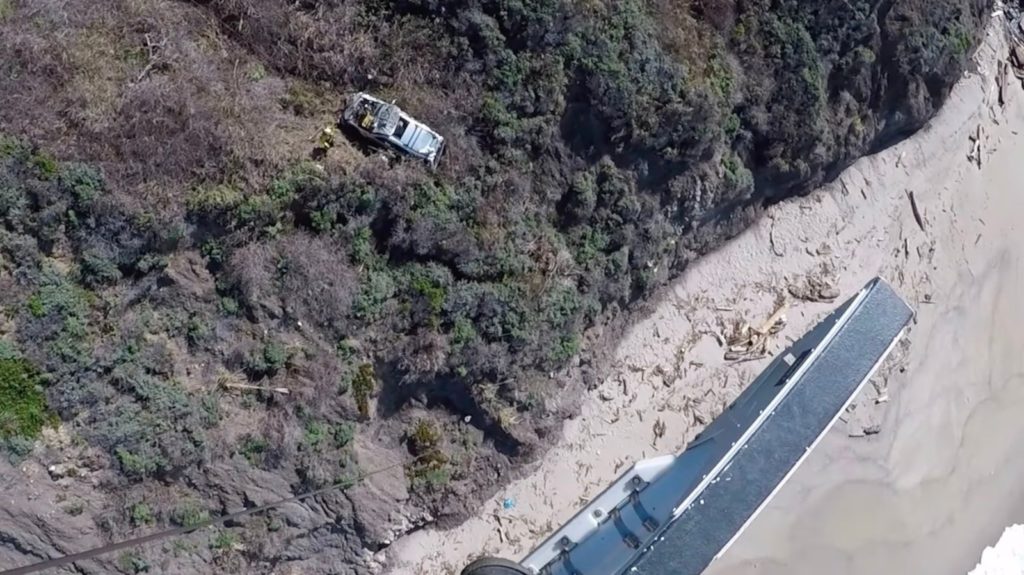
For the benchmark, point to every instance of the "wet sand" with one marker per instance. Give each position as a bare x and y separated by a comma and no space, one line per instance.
947,476
943,476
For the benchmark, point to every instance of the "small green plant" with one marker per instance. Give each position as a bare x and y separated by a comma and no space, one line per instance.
302,100
431,478
255,72
23,408
430,469
274,524
219,198
347,349
132,562
958,39
140,515
344,383
35,305
424,437
138,465
44,164
8,350
197,331
229,305
322,220
180,547
213,249
6,9
432,292
315,436
253,449
363,252
462,333
363,386
344,433
84,182
275,355
377,288
98,270
189,513
75,508
288,184
565,348
223,541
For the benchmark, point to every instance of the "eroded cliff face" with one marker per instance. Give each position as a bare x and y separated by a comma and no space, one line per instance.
218,319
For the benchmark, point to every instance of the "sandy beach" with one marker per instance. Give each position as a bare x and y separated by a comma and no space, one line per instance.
924,471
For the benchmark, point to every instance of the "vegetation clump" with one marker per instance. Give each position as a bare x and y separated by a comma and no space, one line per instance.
23,408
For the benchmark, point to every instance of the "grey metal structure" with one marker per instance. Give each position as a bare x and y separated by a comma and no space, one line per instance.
673,515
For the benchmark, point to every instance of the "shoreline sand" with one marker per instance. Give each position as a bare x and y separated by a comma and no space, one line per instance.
920,476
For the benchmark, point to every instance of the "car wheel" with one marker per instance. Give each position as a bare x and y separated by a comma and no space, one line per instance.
495,566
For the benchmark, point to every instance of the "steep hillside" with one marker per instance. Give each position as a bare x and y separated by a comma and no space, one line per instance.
173,255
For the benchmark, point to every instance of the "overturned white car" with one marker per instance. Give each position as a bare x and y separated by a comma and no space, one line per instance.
387,125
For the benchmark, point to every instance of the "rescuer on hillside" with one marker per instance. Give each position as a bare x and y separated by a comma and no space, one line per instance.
327,136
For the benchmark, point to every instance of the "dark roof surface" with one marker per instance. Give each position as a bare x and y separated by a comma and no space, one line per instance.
702,531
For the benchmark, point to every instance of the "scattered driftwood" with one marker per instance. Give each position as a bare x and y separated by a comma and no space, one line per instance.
1017,60
915,210
975,156
659,431
771,241
1001,77
816,288
748,343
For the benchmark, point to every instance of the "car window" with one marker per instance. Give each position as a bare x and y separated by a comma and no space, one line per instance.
400,128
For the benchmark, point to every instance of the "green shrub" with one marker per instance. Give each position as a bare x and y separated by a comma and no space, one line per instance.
214,199
75,508
197,330
286,186
272,358
98,270
434,293
430,469
314,436
255,71
140,465
8,350
424,437
565,348
189,513
132,562
347,349
377,288
45,165
23,408
363,386
213,249
462,332
275,355
83,181
229,305
363,252
253,449
223,541
344,433
323,220
302,100
141,515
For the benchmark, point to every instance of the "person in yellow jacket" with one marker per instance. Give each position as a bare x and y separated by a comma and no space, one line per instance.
327,137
